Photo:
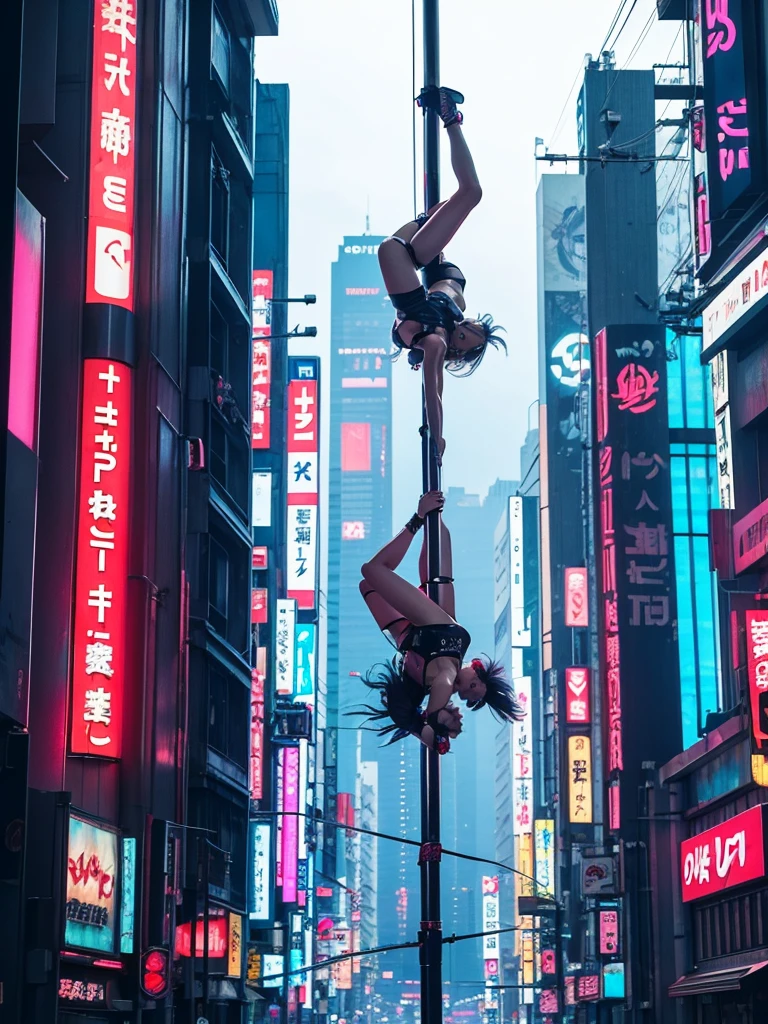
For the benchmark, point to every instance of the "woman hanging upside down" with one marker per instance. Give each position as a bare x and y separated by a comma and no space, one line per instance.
432,647
430,317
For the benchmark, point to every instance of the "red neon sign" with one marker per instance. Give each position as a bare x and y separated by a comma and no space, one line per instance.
260,557
257,725
577,696
262,284
576,601
724,856
101,578
757,670
112,154
218,938
609,931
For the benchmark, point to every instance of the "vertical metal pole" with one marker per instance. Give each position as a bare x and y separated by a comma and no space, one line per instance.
431,952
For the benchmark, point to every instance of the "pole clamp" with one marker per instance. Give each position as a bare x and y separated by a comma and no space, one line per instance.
430,853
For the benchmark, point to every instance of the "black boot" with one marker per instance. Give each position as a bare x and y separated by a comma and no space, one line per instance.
444,101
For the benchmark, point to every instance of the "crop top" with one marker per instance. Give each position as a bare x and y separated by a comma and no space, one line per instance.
436,641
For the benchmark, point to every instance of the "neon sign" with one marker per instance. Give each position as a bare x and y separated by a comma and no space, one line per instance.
98,672
262,284
757,667
112,154
303,481
724,856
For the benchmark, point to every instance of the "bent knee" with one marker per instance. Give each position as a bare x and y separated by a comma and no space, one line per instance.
365,570
471,194
388,247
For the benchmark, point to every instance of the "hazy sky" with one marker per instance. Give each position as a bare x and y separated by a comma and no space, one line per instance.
348,65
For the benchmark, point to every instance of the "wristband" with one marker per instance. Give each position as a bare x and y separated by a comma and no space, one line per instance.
442,744
415,523
437,727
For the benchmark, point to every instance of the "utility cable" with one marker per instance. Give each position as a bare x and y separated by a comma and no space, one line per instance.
614,22
447,940
528,473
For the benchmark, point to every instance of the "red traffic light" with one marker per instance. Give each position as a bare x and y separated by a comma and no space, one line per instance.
155,973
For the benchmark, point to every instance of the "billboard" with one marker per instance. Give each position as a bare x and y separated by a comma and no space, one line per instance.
112,155
635,553
303,480
262,284
93,884
101,572
724,856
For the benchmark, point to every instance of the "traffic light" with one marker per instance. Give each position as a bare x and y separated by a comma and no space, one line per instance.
155,972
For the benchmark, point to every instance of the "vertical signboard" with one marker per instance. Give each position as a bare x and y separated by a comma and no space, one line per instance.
521,637
256,766
522,751
303,480
580,780
289,860
260,903
757,671
576,598
285,647
114,78
101,575
490,916
609,932
306,639
262,359
639,658
128,895
92,886
544,847
577,709
722,409
235,946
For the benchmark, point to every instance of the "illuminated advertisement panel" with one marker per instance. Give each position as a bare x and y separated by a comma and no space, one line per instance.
490,916
112,160
757,671
609,931
290,824
93,866
521,637
260,903
101,574
303,480
580,780
256,758
635,555
576,598
285,647
261,505
259,597
262,355
128,896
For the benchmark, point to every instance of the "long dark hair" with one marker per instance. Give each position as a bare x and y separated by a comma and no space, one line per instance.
400,696
463,364
499,695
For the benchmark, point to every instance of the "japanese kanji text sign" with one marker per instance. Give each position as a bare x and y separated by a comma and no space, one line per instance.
522,763
724,856
289,859
635,553
577,710
303,480
262,356
580,780
576,597
101,573
256,758
112,153
757,670
544,847
491,946
285,647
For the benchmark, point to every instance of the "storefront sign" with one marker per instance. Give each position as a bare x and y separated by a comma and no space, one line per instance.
98,669
260,557
548,961
256,766
599,876
112,154
235,946
576,598
577,710
745,294
262,354
285,643
724,856
757,671
303,480
609,931
580,780
750,538
259,599
548,1001
76,989
522,756
570,990
92,886
544,846
261,891
272,970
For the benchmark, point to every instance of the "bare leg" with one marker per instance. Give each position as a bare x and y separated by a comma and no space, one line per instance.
446,597
397,268
440,229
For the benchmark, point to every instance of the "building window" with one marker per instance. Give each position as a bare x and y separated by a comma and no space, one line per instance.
228,711
220,50
356,447
229,575
219,208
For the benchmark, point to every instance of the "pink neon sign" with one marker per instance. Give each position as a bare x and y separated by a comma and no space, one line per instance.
290,837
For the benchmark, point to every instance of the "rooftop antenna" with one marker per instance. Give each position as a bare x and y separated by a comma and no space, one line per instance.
368,216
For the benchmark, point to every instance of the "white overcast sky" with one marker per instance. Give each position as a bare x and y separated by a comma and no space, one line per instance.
348,65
